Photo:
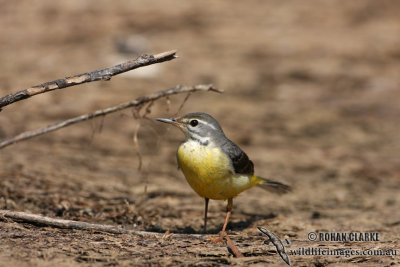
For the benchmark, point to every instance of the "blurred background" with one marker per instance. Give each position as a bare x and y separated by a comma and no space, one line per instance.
311,95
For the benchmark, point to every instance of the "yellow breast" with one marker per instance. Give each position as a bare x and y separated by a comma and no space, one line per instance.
209,172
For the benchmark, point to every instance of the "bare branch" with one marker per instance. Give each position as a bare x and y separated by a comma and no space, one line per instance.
104,74
102,112
183,103
70,224
234,250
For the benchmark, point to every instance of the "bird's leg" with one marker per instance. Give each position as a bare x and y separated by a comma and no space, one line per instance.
205,214
228,214
222,234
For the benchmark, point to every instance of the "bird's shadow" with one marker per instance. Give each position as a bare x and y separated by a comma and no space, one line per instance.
251,219
244,224
232,226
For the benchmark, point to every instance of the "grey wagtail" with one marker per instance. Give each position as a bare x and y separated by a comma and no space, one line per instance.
214,166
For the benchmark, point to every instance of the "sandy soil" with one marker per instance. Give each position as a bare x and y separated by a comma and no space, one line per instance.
311,94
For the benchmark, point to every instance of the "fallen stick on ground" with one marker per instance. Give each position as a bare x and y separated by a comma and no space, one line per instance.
104,74
234,250
70,224
138,102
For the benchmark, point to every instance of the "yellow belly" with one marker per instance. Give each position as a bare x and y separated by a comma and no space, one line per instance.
208,171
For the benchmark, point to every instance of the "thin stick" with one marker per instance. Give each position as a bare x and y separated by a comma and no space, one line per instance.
104,74
70,224
233,248
139,101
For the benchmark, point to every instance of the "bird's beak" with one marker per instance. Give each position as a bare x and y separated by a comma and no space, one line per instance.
172,121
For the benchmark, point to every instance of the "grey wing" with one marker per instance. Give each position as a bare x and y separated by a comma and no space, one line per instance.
240,161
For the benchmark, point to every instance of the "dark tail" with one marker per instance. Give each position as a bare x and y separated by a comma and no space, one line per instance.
273,186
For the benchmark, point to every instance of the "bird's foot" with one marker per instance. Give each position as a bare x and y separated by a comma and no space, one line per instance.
219,239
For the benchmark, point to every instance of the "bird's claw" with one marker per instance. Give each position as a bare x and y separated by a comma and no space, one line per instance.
219,239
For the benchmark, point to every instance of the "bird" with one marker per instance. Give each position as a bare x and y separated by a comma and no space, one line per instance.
214,166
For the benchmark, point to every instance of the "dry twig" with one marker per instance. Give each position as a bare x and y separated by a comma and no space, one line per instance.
104,74
138,102
70,224
235,251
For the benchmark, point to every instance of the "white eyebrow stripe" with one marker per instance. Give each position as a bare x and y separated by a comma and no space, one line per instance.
212,126
208,124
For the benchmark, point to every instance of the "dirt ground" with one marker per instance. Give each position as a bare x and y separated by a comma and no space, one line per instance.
311,95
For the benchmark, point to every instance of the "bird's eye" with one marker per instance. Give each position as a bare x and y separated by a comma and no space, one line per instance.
194,123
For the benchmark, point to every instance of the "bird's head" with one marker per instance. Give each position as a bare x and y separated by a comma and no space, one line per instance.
197,126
